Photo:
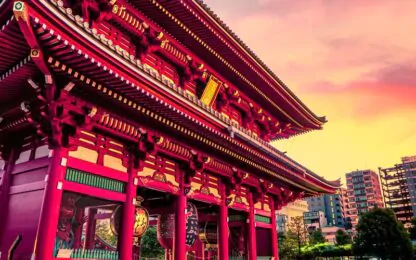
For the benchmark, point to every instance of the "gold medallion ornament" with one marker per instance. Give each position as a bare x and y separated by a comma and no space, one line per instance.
141,222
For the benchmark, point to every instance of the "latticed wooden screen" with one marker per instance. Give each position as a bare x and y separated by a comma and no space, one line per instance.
93,180
263,219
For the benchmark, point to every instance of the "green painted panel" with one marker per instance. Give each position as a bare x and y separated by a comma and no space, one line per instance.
93,180
236,218
263,219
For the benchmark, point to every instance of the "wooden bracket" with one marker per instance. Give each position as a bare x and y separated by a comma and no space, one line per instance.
22,12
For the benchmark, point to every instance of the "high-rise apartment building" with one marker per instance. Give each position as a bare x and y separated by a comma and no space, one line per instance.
399,188
409,165
346,208
364,192
332,205
314,220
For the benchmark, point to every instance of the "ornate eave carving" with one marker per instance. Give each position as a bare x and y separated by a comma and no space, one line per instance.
171,124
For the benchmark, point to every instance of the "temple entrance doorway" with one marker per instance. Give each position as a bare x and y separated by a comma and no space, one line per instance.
160,233
206,246
237,222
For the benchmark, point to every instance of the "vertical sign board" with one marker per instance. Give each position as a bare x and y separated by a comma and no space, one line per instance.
211,90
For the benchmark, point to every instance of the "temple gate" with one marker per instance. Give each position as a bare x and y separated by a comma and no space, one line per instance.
119,116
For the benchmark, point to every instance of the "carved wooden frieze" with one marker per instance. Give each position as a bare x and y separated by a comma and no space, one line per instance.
159,173
205,187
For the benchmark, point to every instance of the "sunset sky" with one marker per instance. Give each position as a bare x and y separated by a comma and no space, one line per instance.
353,61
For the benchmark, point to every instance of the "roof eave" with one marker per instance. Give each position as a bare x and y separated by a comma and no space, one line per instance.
248,53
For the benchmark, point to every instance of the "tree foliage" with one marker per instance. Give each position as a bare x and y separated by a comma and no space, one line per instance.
379,233
288,245
104,232
348,223
150,246
342,237
326,250
297,227
412,229
317,237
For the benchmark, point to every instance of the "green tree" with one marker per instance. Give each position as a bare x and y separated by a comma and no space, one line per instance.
150,246
342,237
317,237
297,227
379,233
103,231
348,224
326,250
412,229
288,245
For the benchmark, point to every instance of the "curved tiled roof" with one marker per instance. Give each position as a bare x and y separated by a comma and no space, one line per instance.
201,3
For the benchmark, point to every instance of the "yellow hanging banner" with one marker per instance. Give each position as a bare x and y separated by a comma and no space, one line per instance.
211,90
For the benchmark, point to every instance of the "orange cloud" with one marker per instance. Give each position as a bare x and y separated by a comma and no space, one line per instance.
392,90
357,66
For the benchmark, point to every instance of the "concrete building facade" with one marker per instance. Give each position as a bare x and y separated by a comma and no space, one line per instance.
364,193
399,188
409,166
332,205
294,209
314,220
330,233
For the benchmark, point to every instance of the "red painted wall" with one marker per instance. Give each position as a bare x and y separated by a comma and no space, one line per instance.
23,209
264,243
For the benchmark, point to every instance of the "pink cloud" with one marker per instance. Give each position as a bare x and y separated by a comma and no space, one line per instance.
353,61
398,74
366,101
392,88
313,37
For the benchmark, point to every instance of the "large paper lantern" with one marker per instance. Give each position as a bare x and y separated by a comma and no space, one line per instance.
115,220
191,225
141,222
208,233
166,228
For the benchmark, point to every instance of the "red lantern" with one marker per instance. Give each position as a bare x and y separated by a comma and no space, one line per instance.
208,234
166,228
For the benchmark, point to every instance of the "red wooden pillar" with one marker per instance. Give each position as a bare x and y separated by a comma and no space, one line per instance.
180,224
127,225
48,222
90,231
223,228
78,230
6,181
274,234
252,246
